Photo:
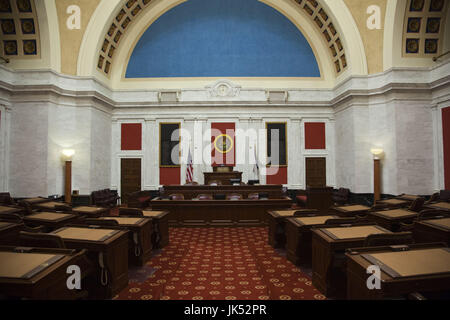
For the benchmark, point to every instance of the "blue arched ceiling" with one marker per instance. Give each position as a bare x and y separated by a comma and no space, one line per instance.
222,38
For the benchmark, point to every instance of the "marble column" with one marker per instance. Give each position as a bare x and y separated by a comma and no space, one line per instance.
151,155
295,157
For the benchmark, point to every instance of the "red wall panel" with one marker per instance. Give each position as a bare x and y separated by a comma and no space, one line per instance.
277,175
131,136
218,158
315,135
446,140
168,176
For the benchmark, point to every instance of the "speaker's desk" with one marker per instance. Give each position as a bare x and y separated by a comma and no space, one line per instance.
220,213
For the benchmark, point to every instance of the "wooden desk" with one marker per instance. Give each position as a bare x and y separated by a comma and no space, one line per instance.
395,203
423,268
91,211
408,197
9,233
107,245
6,209
277,220
139,239
351,211
440,206
391,219
37,200
160,233
219,213
298,234
223,177
433,230
328,247
49,206
50,220
39,273
190,192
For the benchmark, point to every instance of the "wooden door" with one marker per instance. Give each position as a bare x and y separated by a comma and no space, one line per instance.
316,172
130,177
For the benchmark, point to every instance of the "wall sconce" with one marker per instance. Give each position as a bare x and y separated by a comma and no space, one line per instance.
68,155
377,154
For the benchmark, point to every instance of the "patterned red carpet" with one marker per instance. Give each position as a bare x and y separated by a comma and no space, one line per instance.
219,264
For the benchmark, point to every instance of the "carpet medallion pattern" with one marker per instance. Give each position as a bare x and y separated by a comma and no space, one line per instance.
219,264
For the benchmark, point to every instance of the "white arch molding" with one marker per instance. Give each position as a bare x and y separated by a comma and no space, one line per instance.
107,10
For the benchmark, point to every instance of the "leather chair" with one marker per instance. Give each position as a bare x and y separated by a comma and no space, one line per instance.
417,205
63,208
389,239
423,215
101,222
27,206
379,207
176,196
205,197
41,240
340,221
341,196
263,195
434,198
253,196
234,196
432,213
6,199
444,195
130,212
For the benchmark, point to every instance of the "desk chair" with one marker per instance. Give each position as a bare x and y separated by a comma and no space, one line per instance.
28,208
16,218
6,199
434,198
234,196
63,208
340,221
176,196
389,239
417,205
101,222
423,215
253,196
41,240
130,212
205,197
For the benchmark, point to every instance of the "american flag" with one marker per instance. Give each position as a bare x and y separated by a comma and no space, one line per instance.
190,169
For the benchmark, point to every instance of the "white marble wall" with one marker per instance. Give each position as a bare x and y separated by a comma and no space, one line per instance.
40,132
414,134
29,150
5,116
100,147
399,110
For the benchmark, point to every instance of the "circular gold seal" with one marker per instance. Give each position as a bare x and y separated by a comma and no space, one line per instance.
223,143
